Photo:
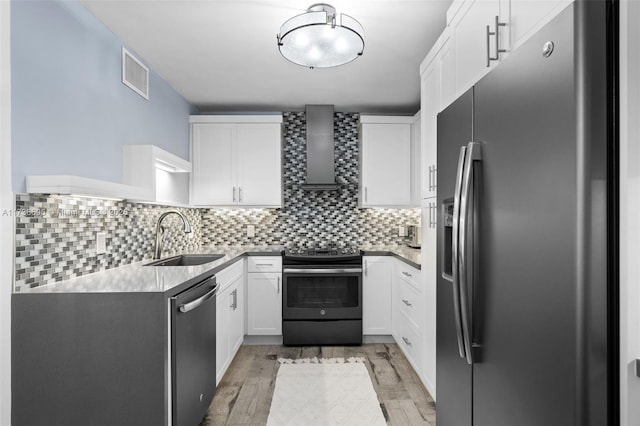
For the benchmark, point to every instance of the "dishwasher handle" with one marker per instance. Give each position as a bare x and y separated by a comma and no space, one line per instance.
190,306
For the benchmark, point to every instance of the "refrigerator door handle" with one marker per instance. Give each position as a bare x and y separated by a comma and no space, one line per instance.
455,252
466,260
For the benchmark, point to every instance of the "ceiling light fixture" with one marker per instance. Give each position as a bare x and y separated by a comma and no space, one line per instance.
316,39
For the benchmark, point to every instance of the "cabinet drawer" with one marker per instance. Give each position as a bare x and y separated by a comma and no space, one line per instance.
264,264
409,300
410,342
228,275
409,274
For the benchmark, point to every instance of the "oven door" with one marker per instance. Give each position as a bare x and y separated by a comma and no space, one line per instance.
321,292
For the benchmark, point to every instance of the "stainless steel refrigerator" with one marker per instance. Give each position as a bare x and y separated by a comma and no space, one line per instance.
526,263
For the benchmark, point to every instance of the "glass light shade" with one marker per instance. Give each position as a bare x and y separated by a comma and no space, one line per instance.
313,40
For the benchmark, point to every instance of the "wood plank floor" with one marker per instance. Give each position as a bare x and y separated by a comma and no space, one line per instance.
244,394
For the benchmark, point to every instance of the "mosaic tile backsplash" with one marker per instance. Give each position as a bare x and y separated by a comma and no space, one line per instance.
56,235
312,217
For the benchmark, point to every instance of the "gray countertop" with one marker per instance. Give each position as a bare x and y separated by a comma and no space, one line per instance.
137,277
410,256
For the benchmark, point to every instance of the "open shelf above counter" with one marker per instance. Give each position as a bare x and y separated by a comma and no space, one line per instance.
77,185
164,176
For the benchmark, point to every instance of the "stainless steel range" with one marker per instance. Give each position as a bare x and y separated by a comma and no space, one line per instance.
322,296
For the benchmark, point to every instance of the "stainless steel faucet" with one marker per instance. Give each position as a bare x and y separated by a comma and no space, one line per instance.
160,230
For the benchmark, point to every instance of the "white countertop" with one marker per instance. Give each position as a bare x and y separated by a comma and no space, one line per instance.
136,277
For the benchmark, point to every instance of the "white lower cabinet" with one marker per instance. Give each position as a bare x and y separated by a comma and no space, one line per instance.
229,316
376,295
408,308
264,288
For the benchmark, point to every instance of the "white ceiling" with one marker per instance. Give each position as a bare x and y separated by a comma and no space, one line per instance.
221,55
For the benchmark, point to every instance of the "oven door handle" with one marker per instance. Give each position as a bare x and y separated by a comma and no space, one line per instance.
320,271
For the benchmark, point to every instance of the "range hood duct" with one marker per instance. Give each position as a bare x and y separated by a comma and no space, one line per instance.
320,150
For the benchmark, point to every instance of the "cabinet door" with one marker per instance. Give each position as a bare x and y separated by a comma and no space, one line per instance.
395,309
223,322
265,303
527,16
446,59
236,314
430,106
213,158
386,164
376,295
470,35
416,162
259,164
429,273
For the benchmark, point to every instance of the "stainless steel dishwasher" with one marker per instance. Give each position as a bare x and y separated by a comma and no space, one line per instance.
193,340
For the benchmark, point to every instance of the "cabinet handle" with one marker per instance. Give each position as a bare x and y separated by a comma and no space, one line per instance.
432,178
432,215
488,44
498,25
234,304
234,194
406,341
496,34
278,285
365,194
435,215
406,302
264,264
435,178
239,194
406,274
364,264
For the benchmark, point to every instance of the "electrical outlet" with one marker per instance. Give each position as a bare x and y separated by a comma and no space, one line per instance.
101,242
402,231
251,231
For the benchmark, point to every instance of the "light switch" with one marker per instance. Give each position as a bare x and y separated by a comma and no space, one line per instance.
101,242
251,231
402,231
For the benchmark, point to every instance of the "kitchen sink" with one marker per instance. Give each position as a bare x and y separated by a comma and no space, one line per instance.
186,260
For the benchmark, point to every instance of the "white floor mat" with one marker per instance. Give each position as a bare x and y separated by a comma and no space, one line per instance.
324,392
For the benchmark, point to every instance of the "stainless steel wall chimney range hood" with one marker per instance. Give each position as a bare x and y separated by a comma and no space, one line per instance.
320,149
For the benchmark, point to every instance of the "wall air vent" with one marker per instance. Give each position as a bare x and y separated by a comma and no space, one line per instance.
135,74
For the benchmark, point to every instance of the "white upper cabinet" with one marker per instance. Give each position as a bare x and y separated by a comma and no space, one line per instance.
385,161
213,153
474,30
437,89
237,161
416,160
484,32
528,16
259,164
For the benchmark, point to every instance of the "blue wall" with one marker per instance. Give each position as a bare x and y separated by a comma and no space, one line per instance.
71,114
